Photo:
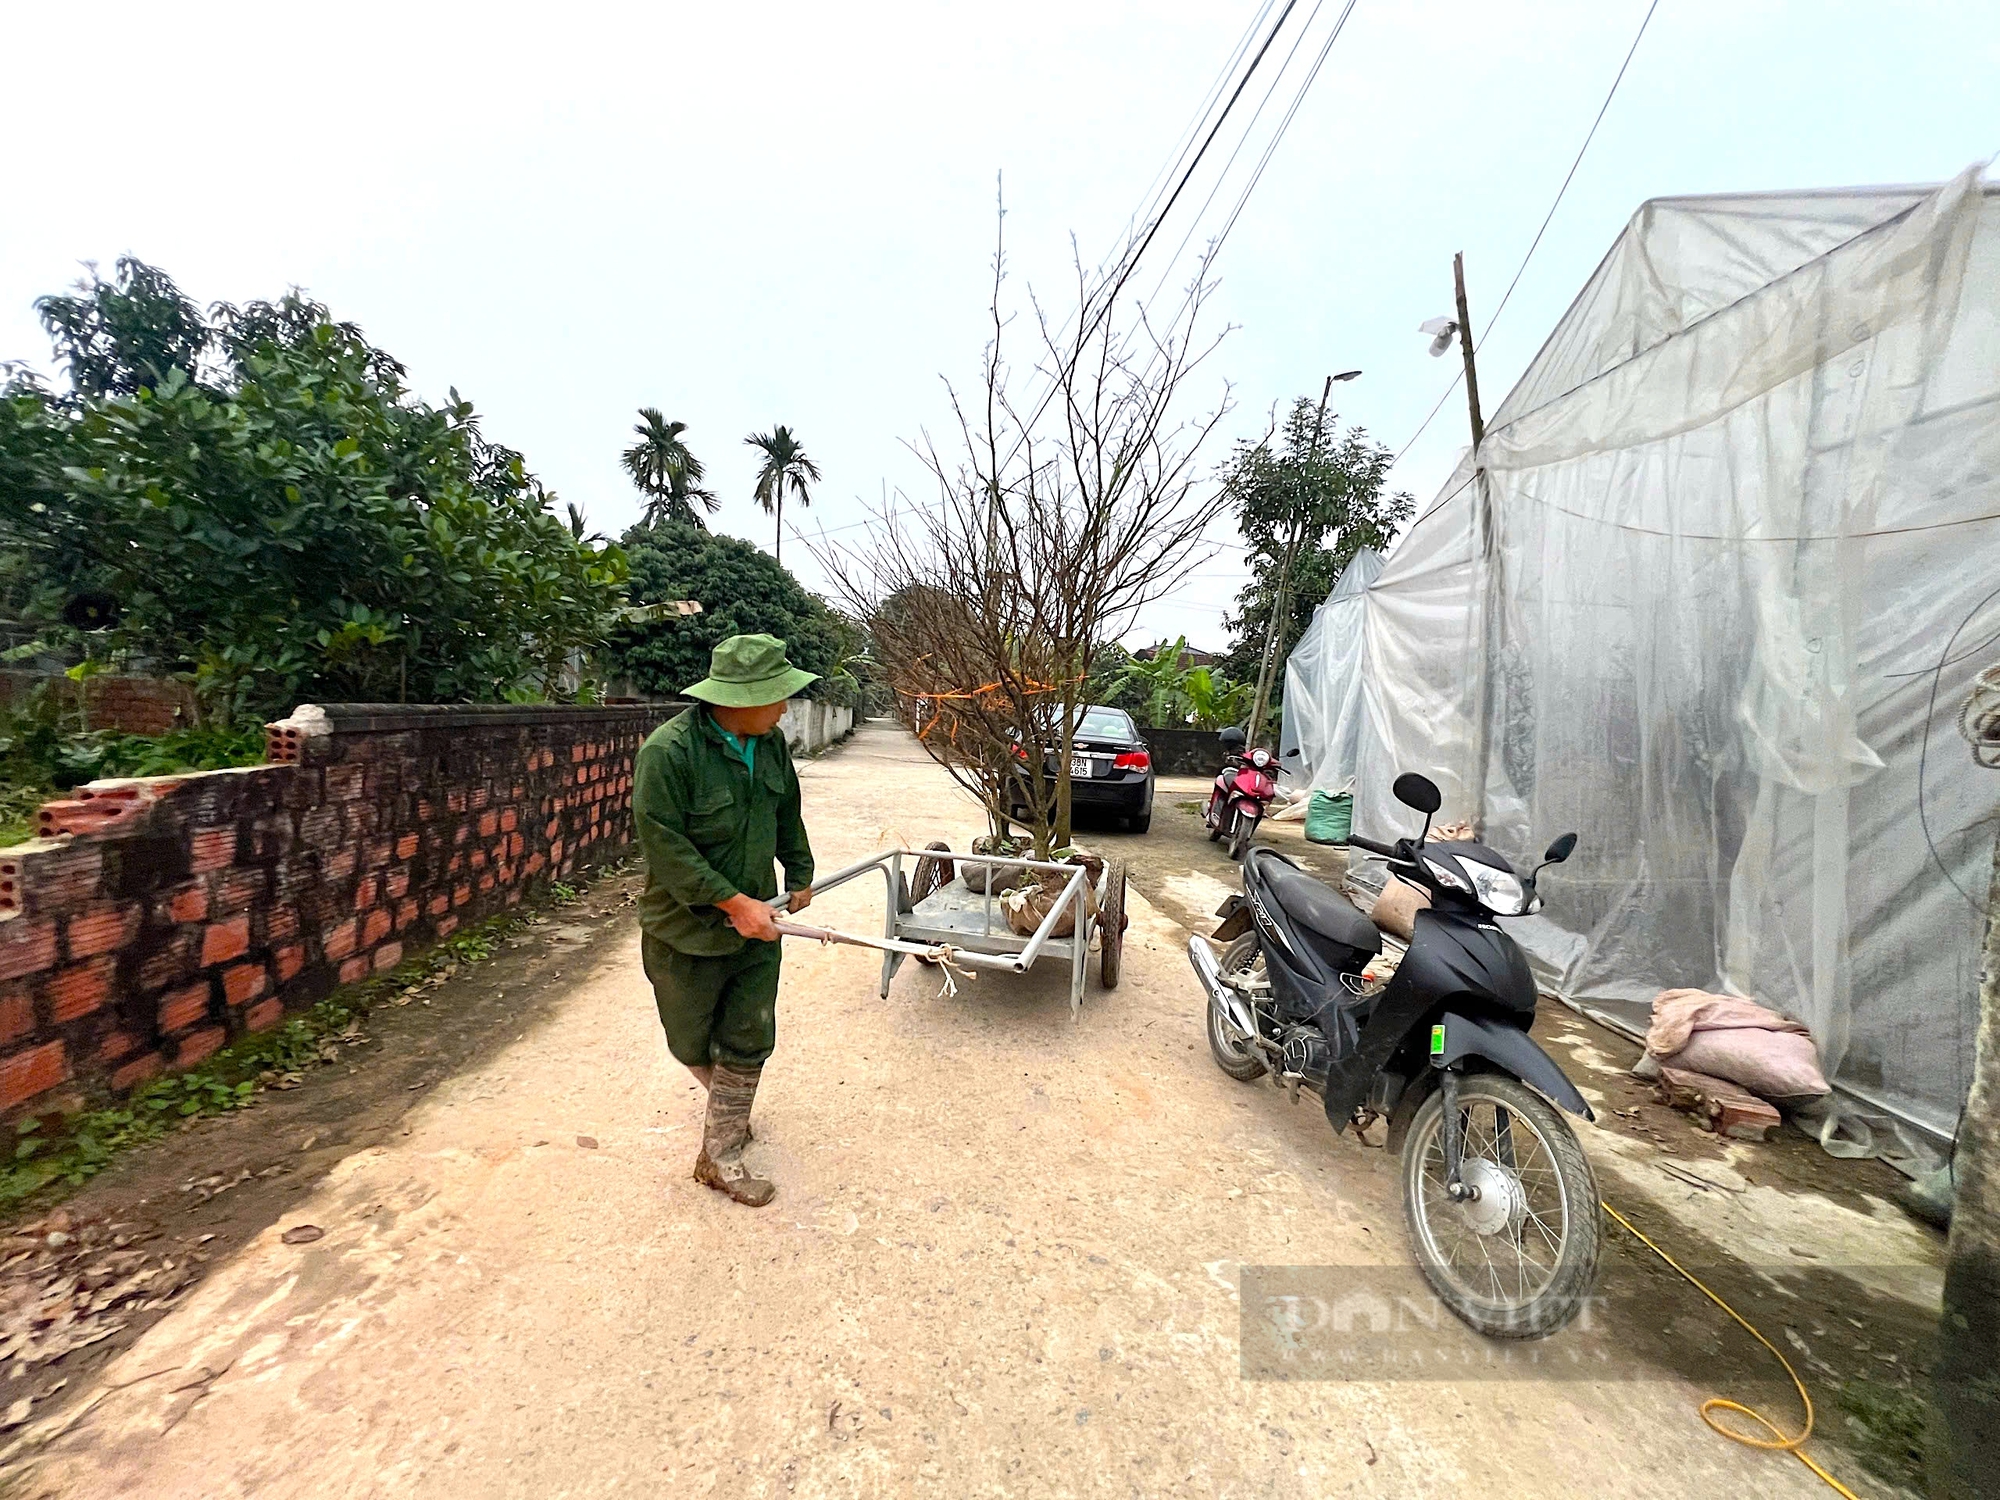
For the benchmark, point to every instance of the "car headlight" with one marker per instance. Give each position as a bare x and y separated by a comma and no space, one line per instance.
1498,891
1447,876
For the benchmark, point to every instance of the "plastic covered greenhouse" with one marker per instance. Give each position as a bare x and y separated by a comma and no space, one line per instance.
1727,564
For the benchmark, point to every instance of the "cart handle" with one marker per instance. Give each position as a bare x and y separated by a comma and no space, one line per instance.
937,952
1018,964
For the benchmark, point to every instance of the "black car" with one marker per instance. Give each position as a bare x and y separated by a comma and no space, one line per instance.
1110,767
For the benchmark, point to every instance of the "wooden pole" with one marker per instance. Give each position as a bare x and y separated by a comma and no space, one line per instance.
1271,633
1465,347
1491,621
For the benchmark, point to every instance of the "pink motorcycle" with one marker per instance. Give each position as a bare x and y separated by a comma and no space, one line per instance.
1242,792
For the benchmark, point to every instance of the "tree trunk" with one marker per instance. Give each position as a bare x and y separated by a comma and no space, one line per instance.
1065,749
1967,1376
778,540
1273,635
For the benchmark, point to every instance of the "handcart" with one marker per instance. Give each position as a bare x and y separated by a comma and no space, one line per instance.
935,917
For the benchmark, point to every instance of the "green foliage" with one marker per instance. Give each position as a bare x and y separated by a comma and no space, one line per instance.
43,752
278,517
666,472
1889,1428
116,337
742,590
853,679
1335,488
786,467
1162,694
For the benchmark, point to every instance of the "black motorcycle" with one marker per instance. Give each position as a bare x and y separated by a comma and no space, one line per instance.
1500,1202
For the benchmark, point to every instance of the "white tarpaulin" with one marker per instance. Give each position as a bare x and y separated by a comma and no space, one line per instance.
1323,683
1726,527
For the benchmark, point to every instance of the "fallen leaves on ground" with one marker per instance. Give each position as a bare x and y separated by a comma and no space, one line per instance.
302,1234
66,1284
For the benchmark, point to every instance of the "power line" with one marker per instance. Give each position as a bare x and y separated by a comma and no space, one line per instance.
1271,147
1143,210
1193,128
1131,261
1546,218
1242,141
1110,298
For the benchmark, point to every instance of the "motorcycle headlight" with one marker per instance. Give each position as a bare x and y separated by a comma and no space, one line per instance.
1498,891
1447,876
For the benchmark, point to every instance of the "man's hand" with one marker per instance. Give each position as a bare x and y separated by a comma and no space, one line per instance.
800,900
750,917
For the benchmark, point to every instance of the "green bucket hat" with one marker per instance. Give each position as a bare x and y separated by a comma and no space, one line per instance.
748,671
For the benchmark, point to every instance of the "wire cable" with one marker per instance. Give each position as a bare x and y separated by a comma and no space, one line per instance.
1568,177
1278,135
1187,136
1924,754
1110,298
1222,176
1131,261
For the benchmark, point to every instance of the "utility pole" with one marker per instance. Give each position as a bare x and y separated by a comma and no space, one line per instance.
1465,346
1491,606
1264,673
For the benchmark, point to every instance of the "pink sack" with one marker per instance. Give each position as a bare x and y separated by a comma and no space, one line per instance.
1739,1040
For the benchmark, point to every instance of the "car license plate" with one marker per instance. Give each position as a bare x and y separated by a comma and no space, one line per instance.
1079,765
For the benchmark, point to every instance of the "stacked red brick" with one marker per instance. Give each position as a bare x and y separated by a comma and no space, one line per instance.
130,705
160,918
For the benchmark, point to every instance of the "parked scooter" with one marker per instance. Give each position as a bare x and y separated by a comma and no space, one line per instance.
1241,793
1498,1197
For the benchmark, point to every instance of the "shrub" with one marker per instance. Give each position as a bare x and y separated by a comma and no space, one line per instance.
742,591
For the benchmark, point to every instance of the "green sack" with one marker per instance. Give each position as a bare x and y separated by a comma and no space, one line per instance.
1329,818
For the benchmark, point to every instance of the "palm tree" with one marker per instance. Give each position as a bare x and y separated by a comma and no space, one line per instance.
785,464
666,472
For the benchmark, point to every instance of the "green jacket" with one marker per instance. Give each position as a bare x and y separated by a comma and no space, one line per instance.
710,829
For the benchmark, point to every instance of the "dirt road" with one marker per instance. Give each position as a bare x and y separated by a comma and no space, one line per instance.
1004,1260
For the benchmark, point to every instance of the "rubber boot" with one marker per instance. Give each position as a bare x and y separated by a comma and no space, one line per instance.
702,1077
724,1133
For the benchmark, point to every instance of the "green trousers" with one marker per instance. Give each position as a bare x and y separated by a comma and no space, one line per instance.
716,1010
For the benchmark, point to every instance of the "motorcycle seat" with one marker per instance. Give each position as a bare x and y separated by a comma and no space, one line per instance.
1317,906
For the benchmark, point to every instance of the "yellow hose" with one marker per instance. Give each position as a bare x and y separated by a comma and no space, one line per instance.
1777,1441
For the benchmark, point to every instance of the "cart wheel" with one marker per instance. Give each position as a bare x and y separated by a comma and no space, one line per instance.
932,873
1111,924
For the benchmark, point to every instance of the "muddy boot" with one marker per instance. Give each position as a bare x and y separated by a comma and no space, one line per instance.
704,1077
725,1132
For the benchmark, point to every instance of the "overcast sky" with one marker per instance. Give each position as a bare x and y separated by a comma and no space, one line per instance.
746,215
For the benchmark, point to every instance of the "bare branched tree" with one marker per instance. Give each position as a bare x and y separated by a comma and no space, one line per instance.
1049,530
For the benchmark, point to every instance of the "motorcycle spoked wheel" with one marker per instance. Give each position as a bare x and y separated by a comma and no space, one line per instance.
1239,838
1241,959
1518,1261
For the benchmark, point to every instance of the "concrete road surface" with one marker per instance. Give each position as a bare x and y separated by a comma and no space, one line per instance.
1004,1260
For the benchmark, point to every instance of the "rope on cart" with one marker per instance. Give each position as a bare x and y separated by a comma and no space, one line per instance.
944,955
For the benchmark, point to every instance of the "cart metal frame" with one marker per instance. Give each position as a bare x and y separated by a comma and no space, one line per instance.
957,922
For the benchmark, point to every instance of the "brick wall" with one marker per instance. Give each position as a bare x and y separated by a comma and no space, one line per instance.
160,918
131,705
1184,752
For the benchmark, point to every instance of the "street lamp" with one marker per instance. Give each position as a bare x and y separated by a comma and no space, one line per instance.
1348,375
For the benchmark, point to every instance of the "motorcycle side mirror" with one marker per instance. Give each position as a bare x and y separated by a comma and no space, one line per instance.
1419,792
1559,851
1293,751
